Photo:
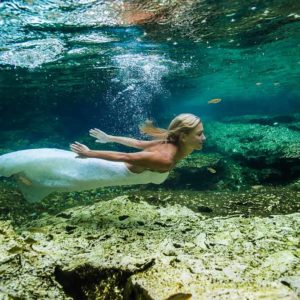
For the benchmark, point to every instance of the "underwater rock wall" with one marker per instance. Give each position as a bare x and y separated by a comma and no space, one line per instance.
268,145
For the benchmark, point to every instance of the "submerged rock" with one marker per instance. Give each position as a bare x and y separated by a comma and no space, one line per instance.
217,258
193,171
272,152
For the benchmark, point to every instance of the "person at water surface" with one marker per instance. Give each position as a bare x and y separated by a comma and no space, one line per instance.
184,135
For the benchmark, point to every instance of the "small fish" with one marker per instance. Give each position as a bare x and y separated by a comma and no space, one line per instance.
30,241
37,230
211,170
258,83
25,180
180,296
257,187
214,101
15,250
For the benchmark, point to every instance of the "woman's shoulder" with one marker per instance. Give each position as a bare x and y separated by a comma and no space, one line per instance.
150,144
164,150
161,145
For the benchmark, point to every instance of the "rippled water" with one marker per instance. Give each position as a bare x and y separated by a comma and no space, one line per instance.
114,63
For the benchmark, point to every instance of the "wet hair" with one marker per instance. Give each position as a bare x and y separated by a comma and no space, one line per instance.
183,123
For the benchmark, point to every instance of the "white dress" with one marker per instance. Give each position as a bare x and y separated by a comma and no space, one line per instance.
40,172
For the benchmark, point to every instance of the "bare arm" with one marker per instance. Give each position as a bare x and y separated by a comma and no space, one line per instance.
133,142
142,159
102,137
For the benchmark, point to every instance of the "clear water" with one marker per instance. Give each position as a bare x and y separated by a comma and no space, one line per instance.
70,65
82,64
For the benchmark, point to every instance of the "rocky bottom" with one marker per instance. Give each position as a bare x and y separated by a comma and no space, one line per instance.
151,244
257,200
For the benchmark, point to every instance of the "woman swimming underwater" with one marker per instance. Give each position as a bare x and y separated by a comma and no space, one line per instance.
40,172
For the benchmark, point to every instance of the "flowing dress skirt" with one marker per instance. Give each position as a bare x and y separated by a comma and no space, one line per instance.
40,172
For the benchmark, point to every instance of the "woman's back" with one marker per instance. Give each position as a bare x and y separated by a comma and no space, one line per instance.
161,148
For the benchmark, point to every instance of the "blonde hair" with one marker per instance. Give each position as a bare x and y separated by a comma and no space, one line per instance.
183,123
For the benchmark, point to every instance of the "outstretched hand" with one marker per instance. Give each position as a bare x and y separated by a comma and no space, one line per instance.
101,136
80,149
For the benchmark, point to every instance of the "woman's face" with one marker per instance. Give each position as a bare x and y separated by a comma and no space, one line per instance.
195,138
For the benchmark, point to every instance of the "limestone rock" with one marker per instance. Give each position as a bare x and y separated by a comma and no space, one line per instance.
174,251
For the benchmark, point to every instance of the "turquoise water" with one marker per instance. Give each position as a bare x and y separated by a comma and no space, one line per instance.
77,64
68,66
